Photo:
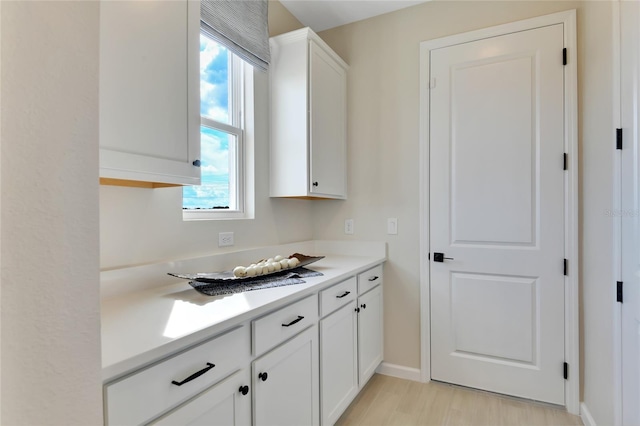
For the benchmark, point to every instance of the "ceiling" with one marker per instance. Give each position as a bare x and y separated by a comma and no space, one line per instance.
325,14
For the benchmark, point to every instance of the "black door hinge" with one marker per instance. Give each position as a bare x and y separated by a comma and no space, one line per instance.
619,297
564,56
565,268
566,161
566,371
618,138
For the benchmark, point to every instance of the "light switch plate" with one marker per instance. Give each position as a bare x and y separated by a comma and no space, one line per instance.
348,226
225,239
392,226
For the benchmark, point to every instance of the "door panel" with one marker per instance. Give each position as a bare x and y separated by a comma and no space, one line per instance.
482,302
338,362
288,395
504,196
369,334
497,210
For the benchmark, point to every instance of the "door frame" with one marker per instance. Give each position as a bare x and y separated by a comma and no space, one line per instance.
571,247
626,99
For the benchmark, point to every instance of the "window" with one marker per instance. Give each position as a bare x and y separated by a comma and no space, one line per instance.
222,136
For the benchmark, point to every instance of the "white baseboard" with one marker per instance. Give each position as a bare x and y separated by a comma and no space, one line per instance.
585,415
399,371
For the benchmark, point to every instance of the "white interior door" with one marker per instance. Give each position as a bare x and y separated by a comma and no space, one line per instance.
630,79
497,210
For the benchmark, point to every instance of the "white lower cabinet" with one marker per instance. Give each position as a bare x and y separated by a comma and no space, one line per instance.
338,361
285,383
350,340
369,333
226,404
284,368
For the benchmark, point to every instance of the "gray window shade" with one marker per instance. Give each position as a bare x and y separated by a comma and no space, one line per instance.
241,25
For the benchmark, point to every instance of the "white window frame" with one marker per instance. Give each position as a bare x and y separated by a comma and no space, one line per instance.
241,119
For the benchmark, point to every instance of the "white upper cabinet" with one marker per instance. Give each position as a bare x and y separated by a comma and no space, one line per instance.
308,118
149,91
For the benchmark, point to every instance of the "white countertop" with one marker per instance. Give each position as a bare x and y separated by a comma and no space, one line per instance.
148,324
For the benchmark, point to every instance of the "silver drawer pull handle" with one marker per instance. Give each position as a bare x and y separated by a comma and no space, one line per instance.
300,318
375,277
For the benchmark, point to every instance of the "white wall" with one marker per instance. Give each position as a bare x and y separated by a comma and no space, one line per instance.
145,225
49,212
383,106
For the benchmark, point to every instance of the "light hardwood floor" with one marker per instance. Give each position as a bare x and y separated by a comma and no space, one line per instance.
396,402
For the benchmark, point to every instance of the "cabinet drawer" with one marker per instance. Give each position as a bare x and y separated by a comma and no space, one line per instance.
151,392
338,295
284,323
222,404
369,279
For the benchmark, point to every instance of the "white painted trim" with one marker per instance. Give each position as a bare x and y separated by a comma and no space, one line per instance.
616,219
425,264
0,196
572,208
572,342
399,371
585,416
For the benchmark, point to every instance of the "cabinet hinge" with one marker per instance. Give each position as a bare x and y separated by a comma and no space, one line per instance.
618,138
566,371
619,296
564,56
566,269
565,160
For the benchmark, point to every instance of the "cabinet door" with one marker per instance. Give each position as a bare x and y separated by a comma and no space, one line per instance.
286,383
149,91
338,362
369,333
226,404
328,149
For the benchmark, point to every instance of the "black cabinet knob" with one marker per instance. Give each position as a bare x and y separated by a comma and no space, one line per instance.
357,309
244,390
196,163
263,376
363,306
315,184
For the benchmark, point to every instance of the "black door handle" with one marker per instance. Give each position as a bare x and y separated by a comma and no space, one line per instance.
439,257
300,318
244,390
194,375
346,293
263,376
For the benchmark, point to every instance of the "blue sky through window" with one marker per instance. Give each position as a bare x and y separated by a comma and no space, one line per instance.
214,104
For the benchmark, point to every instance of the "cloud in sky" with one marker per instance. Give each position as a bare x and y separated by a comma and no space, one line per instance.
214,80
214,151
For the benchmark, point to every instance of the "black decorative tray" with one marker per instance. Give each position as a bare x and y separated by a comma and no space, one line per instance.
227,276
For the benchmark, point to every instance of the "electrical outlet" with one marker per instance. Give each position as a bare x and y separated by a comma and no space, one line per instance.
225,239
348,226
392,226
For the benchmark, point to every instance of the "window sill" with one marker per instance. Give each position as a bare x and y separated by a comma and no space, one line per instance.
222,214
